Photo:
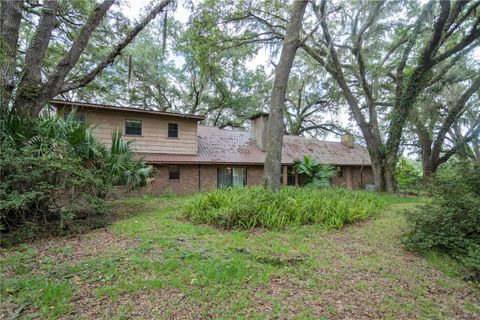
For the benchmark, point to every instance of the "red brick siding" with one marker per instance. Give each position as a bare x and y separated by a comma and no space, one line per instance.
190,183
254,175
187,183
352,176
208,174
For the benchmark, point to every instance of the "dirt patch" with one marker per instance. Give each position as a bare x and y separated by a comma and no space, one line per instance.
73,249
82,247
164,303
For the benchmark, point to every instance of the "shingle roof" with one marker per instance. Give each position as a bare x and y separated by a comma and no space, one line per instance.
236,147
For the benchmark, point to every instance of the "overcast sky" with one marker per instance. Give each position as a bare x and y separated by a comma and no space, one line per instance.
134,9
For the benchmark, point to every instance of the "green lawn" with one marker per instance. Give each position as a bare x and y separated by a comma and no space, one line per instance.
156,265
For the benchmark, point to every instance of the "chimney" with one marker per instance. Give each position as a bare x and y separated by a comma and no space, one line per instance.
259,128
348,140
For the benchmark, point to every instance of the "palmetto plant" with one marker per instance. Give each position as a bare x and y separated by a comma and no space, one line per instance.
318,174
51,165
121,164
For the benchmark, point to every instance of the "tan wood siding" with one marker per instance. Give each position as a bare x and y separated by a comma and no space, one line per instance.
154,131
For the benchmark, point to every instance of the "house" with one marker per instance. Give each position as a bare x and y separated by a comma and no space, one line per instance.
189,157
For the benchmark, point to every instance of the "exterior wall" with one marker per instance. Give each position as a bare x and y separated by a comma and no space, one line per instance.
354,177
189,182
154,131
254,175
189,178
208,175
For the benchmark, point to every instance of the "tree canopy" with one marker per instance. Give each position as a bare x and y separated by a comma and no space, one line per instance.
401,75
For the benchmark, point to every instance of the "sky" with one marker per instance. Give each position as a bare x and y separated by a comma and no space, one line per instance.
134,10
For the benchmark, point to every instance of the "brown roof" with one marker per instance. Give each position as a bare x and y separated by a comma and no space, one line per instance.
84,105
235,147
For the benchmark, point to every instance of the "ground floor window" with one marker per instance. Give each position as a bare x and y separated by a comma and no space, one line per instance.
339,172
173,172
290,176
231,177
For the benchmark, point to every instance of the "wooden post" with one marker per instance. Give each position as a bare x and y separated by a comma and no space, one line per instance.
349,177
296,176
285,175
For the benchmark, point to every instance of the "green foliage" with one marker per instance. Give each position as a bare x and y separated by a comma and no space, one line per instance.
451,223
259,207
318,174
52,298
56,170
121,165
407,175
156,251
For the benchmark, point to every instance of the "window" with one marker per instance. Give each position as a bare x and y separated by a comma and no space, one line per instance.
290,176
231,177
339,172
174,173
173,130
133,127
80,117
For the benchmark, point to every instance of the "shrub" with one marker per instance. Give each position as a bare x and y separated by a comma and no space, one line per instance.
451,223
259,207
56,170
318,175
408,176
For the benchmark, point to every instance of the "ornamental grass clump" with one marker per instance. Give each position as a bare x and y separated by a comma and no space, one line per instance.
247,208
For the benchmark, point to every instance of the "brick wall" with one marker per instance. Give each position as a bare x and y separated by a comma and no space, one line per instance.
354,177
254,175
208,174
189,181
161,183
189,178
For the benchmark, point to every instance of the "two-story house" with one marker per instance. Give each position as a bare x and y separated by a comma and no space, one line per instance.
189,157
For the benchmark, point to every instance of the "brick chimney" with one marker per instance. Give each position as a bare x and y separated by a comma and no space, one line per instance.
348,140
259,128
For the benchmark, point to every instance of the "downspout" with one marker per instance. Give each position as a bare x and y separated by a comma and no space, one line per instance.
199,180
361,174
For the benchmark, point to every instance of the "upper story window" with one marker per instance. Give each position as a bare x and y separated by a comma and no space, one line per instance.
133,127
80,117
173,130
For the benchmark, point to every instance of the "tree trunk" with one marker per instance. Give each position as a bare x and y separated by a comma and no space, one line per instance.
390,183
10,17
432,147
275,127
378,173
33,93
30,90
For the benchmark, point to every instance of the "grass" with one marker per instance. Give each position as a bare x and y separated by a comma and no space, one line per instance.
259,207
157,265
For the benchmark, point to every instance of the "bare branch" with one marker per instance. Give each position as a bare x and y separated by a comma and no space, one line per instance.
77,48
116,50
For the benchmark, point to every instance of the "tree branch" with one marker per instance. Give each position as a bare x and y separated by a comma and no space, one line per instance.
453,115
70,59
36,50
116,50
